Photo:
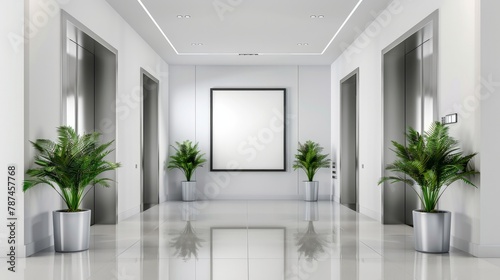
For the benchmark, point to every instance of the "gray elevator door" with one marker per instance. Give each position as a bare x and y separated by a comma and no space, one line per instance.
82,85
409,98
413,105
150,150
349,149
89,95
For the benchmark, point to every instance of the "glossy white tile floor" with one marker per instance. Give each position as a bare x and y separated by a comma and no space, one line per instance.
247,240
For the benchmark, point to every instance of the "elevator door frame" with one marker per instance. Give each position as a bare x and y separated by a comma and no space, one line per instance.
434,19
354,73
144,73
106,206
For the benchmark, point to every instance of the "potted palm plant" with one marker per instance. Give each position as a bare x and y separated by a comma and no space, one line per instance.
70,166
187,158
310,159
429,163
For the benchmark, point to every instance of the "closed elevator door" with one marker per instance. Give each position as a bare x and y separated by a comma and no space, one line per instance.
409,89
150,147
349,142
80,108
413,115
418,107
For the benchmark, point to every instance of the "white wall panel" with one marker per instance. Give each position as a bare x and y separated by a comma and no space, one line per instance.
12,114
489,98
315,117
45,106
457,78
182,120
247,185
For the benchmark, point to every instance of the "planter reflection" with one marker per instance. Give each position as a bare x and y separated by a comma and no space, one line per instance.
310,243
431,266
74,266
186,243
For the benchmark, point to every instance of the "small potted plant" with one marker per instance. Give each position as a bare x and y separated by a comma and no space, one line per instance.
187,158
70,166
427,163
310,159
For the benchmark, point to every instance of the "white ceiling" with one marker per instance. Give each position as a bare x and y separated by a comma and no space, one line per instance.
218,32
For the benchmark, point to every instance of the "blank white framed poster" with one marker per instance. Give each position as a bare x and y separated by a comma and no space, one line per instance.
248,129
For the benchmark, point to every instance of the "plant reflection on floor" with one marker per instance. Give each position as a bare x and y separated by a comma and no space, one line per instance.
310,244
186,244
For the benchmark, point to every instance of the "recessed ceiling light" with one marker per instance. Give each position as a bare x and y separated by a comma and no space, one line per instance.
146,10
179,16
317,16
187,16
299,44
196,44
302,44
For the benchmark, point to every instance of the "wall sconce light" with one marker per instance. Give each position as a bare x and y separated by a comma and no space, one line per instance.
451,118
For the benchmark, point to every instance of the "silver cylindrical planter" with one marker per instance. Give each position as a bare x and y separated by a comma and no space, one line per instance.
189,191
71,230
432,231
311,190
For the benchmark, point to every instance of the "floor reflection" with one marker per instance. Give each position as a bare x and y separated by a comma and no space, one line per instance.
186,243
247,240
311,244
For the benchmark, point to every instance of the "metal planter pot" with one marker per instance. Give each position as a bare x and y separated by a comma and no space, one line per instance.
189,190
432,231
71,230
311,190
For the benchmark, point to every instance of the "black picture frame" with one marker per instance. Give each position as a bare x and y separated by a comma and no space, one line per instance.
247,129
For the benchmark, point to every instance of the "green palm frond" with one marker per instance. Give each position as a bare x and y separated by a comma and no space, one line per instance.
431,161
186,158
310,159
70,165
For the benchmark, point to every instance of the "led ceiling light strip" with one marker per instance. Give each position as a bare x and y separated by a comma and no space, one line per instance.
342,26
157,25
172,45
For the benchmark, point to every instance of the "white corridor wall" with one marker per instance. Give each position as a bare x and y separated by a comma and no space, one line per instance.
12,117
308,117
458,77
44,103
